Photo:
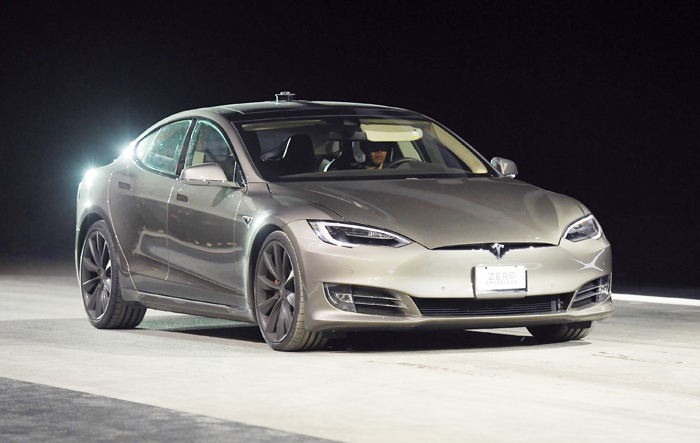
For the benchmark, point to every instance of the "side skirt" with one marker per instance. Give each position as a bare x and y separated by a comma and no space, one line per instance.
182,306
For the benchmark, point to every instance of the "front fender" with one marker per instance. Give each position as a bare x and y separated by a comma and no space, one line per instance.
266,213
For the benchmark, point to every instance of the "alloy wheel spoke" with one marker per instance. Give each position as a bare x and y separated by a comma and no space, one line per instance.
104,256
89,285
289,280
269,265
108,286
273,317
105,298
280,323
89,264
287,266
90,303
267,282
291,299
93,250
266,306
286,315
98,249
99,309
278,260
96,300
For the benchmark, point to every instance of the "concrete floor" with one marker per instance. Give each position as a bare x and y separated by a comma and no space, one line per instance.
636,377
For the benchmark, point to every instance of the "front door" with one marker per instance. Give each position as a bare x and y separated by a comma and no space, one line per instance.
200,226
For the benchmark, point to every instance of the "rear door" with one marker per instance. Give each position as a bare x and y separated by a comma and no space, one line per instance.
138,203
200,225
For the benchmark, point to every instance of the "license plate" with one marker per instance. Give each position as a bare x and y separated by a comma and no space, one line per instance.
499,279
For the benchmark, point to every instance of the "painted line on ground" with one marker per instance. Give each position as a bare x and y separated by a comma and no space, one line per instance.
653,299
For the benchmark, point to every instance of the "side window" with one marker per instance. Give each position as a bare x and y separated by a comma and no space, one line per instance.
208,145
164,152
145,145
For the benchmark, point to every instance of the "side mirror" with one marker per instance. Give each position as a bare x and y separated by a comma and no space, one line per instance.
207,174
505,166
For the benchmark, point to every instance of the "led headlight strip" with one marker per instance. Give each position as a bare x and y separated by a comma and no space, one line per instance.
351,236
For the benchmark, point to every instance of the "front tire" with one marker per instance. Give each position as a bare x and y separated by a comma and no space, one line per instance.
279,297
99,283
560,333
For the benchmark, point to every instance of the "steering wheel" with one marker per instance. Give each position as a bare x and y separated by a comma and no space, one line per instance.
400,161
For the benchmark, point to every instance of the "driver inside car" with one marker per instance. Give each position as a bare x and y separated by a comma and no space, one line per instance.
378,154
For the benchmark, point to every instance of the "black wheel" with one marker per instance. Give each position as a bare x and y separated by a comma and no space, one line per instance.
279,297
560,333
99,282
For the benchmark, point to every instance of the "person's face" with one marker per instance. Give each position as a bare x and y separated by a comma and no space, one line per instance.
378,157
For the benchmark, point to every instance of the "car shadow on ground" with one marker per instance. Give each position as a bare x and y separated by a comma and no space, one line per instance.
244,333
205,327
373,341
438,340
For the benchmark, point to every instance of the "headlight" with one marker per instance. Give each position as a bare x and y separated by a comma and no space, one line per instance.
350,236
582,229
89,176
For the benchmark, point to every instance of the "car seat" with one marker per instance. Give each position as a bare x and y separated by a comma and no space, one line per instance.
298,156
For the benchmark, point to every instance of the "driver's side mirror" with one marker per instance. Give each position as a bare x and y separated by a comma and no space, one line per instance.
505,166
207,174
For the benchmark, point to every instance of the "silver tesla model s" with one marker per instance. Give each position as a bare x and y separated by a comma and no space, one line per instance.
313,219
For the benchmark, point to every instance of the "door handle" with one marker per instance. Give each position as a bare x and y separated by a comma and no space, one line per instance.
183,198
123,185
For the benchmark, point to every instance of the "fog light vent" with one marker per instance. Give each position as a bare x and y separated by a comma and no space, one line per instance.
595,291
340,297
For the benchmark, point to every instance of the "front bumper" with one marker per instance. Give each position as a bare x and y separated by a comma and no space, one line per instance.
415,273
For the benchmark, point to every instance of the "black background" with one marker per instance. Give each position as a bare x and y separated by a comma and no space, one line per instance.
598,100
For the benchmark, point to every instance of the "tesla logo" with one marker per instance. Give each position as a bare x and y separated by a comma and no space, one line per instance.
590,265
496,250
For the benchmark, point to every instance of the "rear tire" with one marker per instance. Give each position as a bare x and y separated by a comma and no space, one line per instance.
560,333
279,297
99,283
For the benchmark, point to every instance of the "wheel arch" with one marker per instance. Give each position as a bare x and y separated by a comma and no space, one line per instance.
255,247
91,216
89,219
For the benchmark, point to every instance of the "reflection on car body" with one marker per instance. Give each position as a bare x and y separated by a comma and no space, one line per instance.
283,214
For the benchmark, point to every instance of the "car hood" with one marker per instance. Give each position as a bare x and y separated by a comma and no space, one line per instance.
446,212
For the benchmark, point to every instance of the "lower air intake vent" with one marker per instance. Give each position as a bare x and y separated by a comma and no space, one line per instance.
595,291
364,299
470,307
376,301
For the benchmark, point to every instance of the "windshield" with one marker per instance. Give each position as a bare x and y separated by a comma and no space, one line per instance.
337,148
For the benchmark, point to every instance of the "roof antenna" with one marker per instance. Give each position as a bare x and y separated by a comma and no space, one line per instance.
285,96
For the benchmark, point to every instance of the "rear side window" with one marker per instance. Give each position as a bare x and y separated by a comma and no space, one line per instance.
160,150
145,145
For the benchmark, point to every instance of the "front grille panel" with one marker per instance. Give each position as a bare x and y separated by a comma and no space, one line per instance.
471,307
